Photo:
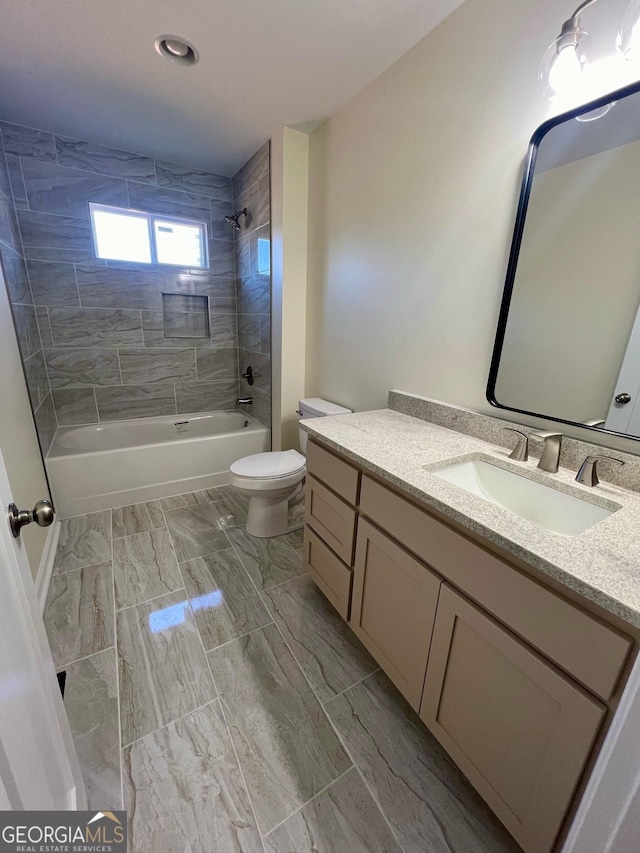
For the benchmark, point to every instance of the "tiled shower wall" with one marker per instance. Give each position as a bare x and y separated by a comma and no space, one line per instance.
91,332
253,281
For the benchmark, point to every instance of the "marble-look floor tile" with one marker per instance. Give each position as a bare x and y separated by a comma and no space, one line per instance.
286,746
223,599
424,797
137,518
180,501
144,567
330,654
268,561
163,671
229,507
194,531
91,703
85,540
78,614
342,818
184,790
295,539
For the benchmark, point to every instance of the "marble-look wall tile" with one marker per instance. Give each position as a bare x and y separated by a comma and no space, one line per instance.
75,406
330,654
98,327
27,330
9,230
194,532
223,599
84,367
143,366
47,237
224,330
286,746
36,376
105,287
217,365
169,202
85,540
135,401
163,670
136,518
424,797
102,160
67,192
184,790
185,315
144,567
27,142
184,178
18,189
154,334
219,228
46,424
265,334
78,613
222,262
260,409
91,703
53,283
222,305
249,332
15,275
268,561
255,167
345,818
44,326
206,396
261,365
201,285
254,296
5,181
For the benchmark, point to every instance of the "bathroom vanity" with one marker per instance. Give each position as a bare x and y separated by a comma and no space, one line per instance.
512,643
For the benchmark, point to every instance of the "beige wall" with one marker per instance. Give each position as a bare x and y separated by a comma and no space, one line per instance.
289,213
413,191
576,291
18,440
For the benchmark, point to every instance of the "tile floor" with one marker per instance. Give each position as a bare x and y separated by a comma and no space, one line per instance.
215,694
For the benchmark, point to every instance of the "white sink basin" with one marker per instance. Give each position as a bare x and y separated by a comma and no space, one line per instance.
556,511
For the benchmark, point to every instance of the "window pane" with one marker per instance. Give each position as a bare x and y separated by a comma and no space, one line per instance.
179,243
121,236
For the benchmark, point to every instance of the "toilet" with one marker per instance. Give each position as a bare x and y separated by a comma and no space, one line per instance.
273,480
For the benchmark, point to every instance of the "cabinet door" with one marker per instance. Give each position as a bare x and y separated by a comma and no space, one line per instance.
519,729
393,609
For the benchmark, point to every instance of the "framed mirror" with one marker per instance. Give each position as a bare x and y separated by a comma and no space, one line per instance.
568,341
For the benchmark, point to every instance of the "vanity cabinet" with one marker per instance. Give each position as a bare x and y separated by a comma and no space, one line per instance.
512,678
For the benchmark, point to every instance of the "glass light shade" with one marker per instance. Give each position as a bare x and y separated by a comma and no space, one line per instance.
564,60
628,40
594,115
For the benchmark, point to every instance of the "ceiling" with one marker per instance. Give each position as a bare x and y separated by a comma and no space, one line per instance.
88,68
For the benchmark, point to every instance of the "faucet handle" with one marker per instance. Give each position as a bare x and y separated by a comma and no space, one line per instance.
588,473
521,451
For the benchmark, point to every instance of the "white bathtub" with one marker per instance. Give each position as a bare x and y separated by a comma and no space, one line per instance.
124,462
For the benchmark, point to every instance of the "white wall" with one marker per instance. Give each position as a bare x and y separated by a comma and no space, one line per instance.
18,440
413,191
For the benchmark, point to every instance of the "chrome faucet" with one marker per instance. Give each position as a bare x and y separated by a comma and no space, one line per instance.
550,458
521,451
588,473
244,401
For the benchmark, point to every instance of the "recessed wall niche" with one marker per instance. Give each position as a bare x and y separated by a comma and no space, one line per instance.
185,316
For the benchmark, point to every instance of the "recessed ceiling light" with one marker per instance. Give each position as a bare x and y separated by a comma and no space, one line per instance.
176,50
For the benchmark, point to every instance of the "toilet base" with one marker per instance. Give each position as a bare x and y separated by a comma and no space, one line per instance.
269,517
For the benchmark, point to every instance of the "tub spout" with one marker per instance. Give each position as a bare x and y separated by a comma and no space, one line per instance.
244,401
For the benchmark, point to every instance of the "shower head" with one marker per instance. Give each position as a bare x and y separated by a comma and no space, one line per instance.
233,220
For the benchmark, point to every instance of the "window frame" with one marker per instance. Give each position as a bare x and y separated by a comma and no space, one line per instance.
151,218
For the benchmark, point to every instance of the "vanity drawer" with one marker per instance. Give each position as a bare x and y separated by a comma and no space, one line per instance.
343,478
331,518
329,573
591,651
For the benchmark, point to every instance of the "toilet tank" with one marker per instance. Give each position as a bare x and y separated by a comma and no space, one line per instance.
314,407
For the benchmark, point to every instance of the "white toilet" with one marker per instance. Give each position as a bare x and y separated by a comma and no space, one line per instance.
273,480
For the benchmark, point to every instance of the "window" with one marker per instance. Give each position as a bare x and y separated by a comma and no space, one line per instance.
147,238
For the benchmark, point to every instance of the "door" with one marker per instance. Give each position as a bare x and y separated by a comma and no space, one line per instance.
38,764
393,610
519,729
624,416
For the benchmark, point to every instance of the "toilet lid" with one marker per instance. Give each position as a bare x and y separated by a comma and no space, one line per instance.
278,463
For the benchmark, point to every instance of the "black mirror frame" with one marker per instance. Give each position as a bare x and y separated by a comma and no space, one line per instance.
521,214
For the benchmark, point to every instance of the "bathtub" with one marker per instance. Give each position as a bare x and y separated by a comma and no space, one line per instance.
107,465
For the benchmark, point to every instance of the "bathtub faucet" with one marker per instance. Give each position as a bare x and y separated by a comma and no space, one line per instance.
244,401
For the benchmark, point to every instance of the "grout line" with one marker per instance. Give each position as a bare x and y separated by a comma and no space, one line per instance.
153,598
60,667
140,532
115,639
170,723
355,684
241,637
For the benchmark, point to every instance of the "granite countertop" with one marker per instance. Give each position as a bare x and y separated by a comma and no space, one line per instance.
602,564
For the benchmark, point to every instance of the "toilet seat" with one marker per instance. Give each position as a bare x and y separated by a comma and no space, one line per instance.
273,465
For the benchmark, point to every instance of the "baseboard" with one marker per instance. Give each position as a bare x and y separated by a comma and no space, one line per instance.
45,569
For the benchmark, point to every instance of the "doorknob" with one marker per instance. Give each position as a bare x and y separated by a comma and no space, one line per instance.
623,398
42,514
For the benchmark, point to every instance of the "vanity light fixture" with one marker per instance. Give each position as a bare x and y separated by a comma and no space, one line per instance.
568,54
